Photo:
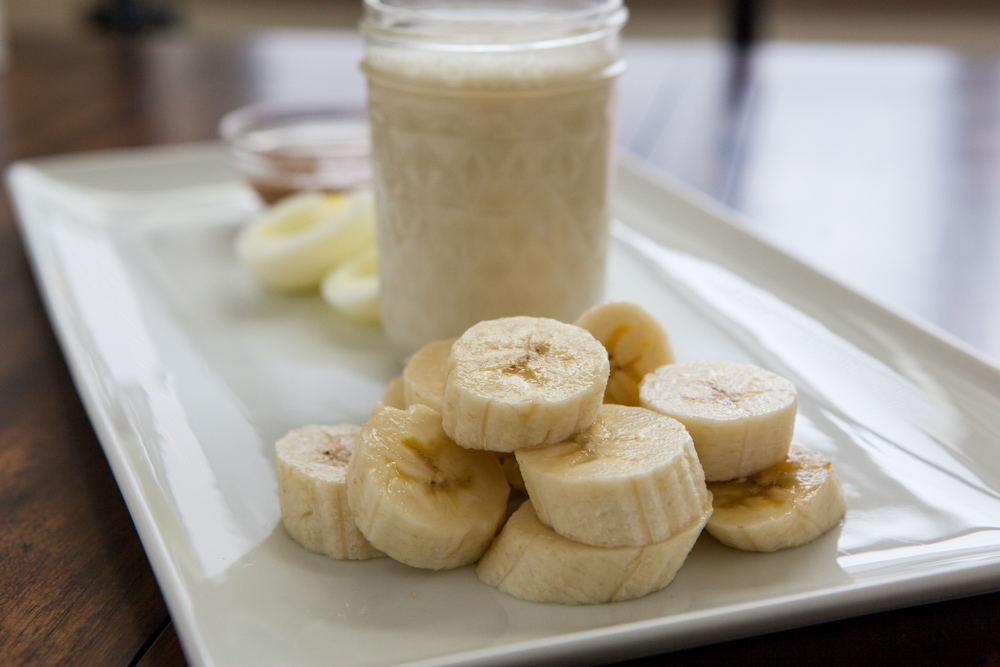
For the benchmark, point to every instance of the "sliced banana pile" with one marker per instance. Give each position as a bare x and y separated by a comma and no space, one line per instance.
616,493
314,240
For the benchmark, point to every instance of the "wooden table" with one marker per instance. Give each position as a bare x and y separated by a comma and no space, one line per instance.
880,165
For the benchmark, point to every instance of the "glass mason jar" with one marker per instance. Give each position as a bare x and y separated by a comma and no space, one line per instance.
491,127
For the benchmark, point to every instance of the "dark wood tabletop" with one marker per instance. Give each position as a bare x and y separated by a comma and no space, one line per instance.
878,164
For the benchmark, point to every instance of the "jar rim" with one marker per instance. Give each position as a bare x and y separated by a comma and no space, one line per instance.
476,21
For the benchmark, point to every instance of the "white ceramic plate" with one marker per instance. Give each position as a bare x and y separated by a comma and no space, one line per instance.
190,373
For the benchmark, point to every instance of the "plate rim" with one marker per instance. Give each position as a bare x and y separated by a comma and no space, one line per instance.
590,645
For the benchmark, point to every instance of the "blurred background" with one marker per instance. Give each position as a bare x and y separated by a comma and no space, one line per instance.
968,25
864,136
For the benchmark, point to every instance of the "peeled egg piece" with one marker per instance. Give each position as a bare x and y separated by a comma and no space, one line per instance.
352,287
293,244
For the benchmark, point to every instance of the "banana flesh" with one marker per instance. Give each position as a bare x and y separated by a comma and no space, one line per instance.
419,497
631,479
425,373
393,396
528,560
788,504
312,491
508,461
522,382
636,343
740,416
292,245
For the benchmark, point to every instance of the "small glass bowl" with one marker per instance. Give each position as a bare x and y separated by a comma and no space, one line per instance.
281,150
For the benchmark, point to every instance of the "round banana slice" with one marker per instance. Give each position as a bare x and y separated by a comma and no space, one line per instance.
421,498
528,560
740,416
425,373
522,382
352,287
788,504
293,244
633,478
636,345
312,491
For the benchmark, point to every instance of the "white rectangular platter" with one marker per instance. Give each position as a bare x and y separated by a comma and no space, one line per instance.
190,373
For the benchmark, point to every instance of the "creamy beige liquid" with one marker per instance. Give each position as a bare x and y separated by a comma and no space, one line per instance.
491,186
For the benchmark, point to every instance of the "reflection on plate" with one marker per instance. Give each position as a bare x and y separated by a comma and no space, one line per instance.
190,373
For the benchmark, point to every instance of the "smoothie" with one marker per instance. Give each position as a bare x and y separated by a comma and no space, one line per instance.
491,174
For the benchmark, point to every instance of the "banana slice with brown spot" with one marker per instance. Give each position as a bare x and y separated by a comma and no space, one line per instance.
788,504
522,382
740,416
312,491
633,478
418,496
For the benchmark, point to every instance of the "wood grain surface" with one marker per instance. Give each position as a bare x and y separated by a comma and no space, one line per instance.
75,586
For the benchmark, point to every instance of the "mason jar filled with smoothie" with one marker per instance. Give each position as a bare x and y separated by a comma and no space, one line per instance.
491,127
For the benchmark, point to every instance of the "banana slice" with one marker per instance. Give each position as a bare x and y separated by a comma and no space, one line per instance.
425,373
636,345
293,244
512,471
788,504
352,287
740,416
418,496
312,491
522,382
528,560
631,479
393,396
